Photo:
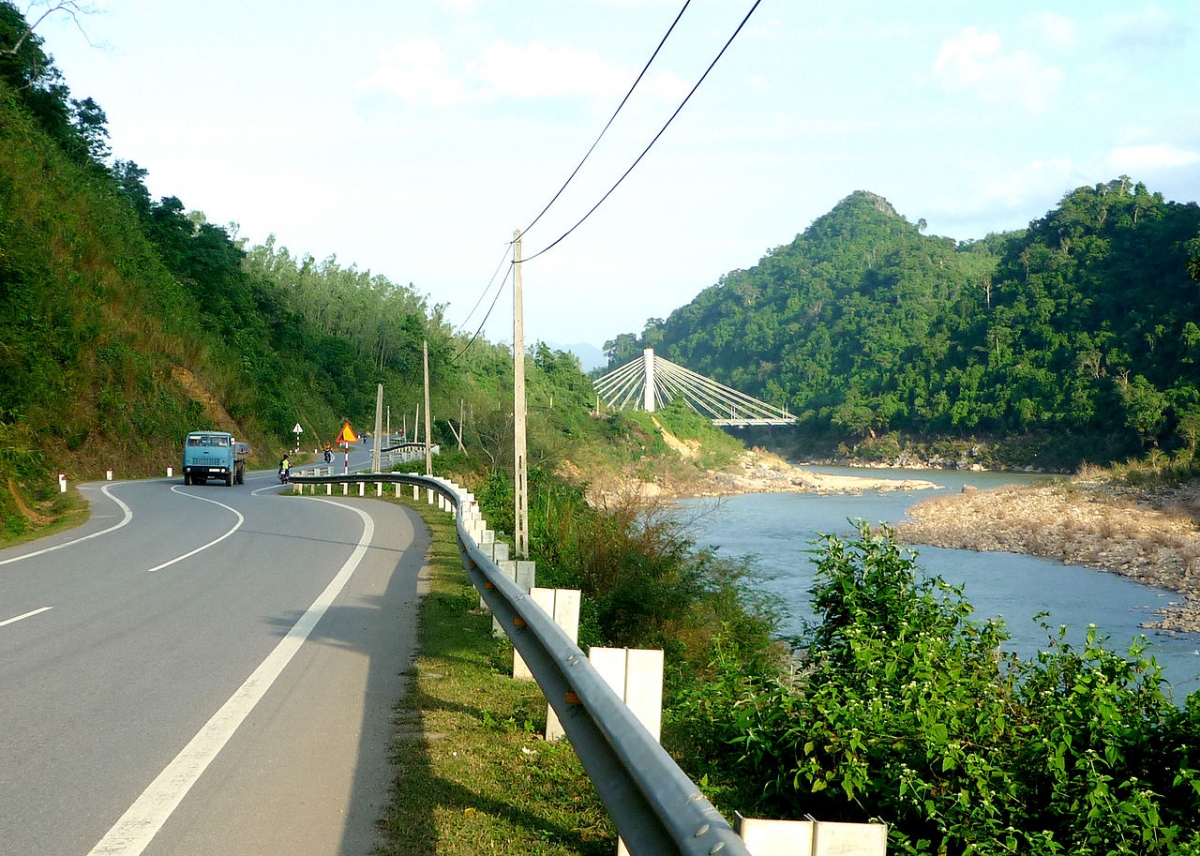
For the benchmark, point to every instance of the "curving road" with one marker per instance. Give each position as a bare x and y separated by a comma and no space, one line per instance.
204,670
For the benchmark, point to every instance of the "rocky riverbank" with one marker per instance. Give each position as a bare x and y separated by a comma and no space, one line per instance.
1149,536
758,471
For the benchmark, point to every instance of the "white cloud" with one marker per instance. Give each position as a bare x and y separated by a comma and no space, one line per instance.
417,71
537,71
1131,159
973,62
1055,30
1150,29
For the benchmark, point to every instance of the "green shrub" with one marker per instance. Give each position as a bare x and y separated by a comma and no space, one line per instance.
907,711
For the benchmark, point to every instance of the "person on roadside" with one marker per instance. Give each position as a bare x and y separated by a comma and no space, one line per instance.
285,468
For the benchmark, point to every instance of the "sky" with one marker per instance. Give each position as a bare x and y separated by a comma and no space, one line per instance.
411,138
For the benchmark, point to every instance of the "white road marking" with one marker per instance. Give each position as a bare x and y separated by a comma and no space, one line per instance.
138,826
29,614
235,528
125,519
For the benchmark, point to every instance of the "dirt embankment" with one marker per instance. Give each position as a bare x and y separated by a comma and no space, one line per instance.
759,471
1149,536
756,471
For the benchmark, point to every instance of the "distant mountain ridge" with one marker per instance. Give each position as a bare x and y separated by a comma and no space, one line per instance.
1081,324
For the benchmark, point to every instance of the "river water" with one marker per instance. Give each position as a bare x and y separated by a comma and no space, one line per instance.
778,530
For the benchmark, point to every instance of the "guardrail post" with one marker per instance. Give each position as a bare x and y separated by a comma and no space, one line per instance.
636,675
523,573
563,606
810,837
362,488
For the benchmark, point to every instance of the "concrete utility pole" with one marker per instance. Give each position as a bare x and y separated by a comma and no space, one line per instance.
377,446
521,516
428,420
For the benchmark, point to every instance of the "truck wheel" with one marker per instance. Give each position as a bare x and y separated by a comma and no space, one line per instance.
187,479
229,480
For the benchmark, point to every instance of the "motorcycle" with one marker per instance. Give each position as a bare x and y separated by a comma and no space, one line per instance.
284,475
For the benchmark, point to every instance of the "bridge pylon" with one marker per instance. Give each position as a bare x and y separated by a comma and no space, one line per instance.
652,382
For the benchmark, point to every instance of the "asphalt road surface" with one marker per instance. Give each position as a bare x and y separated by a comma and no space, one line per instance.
204,670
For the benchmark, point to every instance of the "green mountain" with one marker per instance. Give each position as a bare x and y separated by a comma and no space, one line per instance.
126,322
1081,327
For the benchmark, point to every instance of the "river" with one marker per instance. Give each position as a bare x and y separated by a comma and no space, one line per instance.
778,528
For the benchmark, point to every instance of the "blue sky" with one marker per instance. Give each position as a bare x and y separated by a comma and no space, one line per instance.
411,137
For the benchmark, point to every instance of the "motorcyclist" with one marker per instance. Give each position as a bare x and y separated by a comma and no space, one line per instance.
328,453
285,468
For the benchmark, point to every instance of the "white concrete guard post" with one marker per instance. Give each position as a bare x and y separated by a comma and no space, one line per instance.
636,675
108,474
170,472
810,838
62,482
362,488
523,573
563,606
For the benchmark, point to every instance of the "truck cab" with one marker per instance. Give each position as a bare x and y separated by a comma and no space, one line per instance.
214,455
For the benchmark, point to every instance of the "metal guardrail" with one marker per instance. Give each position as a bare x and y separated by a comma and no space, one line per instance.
656,807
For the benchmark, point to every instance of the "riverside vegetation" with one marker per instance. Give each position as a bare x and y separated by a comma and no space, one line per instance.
126,321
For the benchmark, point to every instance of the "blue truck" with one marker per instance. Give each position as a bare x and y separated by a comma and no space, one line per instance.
214,455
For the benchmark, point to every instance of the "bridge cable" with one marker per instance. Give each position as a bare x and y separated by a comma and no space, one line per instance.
652,142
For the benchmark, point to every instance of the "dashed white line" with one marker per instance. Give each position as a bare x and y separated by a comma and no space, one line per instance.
29,614
235,528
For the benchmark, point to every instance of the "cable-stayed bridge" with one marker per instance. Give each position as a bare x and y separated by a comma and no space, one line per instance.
650,382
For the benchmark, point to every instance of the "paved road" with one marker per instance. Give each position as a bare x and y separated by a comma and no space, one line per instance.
204,670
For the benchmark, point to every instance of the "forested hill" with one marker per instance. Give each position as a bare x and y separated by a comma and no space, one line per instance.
1082,327
127,321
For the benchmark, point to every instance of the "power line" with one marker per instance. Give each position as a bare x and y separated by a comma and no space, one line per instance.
652,142
507,250
610,121
479,329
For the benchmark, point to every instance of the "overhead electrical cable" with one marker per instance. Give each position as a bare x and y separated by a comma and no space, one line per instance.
610,121
592,210
479,329
507,250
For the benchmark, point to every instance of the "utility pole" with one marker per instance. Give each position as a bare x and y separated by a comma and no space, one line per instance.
428,420
377,446
521,516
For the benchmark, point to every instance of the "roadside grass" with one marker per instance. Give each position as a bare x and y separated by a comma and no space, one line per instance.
19,526
472,773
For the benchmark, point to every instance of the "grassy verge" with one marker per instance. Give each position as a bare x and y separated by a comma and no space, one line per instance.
472,772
